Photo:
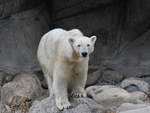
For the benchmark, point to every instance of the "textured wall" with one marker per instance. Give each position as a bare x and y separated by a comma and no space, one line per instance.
122,27
21,28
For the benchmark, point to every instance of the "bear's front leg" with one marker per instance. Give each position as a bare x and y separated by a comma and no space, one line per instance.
60,86
79,84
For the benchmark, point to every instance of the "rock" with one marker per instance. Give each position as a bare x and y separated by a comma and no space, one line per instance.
110,110
80,105
5,77
130,106
146,78
141,84
5,108
64,9
19,54
24,84
42,79
93,75
2,76
108,95
0,93
111,76
17,6
140,110
131,88
139,96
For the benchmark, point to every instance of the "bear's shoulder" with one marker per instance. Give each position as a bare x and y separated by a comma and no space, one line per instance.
58,30
75,32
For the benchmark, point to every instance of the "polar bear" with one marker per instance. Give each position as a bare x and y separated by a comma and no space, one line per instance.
64,56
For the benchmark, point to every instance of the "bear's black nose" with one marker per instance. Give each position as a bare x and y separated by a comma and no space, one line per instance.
84,54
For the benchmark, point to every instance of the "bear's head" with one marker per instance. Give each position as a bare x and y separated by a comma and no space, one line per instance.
83,46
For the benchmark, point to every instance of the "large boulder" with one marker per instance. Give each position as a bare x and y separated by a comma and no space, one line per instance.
23,85
139,96
130,106
108,95
133,81
140,110
79,105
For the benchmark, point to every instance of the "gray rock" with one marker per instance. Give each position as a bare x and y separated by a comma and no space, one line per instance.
94,74
140,110
141,84
139,96
131,88
146,78
108,95
42,79
8,10
74,7
5,77
111,76
25,85
130,106
79,105
21,34
5,108
0,93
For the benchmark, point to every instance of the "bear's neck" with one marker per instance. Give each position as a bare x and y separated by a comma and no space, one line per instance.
75,55
72,58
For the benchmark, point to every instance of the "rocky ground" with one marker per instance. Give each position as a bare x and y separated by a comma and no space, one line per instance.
108,92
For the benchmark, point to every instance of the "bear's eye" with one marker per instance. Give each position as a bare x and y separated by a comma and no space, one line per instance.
79,45
88,45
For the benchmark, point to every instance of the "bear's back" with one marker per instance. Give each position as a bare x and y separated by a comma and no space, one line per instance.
55,42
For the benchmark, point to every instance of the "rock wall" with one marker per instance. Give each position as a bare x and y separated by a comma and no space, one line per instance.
21,28
122,28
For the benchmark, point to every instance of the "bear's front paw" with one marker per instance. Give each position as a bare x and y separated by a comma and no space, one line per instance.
62,103
78,93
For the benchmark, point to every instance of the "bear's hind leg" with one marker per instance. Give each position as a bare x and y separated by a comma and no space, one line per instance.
48,78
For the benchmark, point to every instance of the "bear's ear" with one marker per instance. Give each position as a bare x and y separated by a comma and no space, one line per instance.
71,41
93,39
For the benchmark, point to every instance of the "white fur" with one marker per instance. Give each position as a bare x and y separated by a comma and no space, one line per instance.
65,73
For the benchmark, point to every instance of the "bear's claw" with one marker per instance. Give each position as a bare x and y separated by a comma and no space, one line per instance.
78,93
62,104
